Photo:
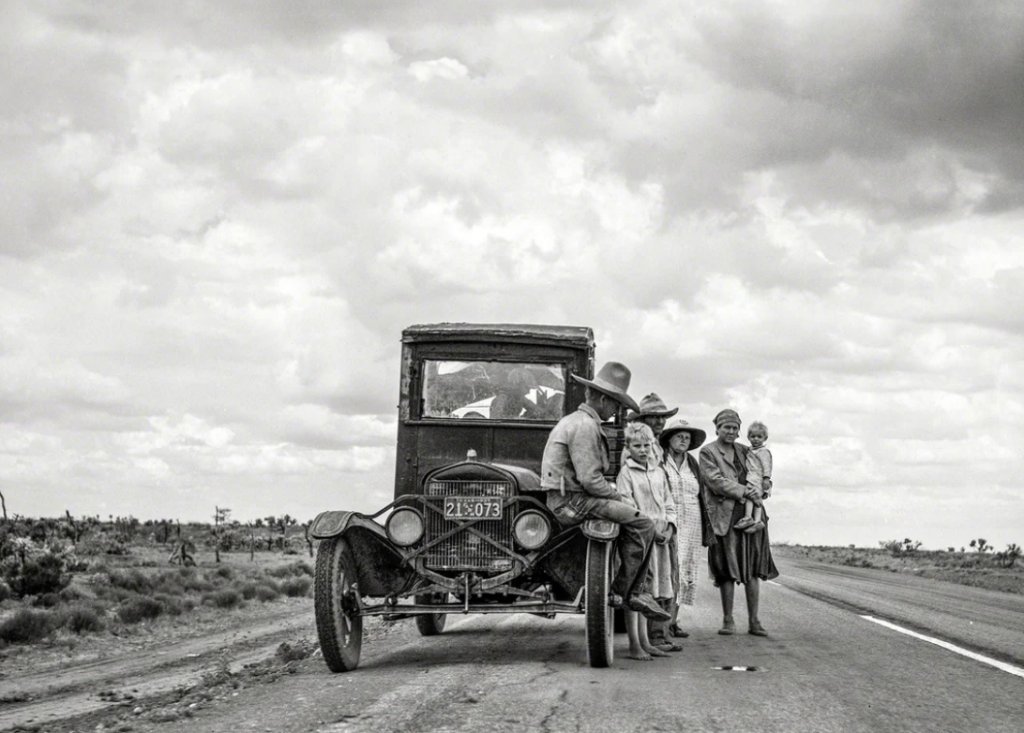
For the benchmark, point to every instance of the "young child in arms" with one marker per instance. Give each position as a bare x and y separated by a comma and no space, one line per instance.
759,476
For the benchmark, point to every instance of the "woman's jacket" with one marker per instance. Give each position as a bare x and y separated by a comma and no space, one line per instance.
723,484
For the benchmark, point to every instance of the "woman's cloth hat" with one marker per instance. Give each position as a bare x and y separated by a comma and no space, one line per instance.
652,406
727,415
679,425
612,380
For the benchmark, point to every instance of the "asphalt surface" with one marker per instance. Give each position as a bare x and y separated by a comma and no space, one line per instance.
823,668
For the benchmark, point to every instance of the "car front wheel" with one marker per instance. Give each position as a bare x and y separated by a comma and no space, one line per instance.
336,602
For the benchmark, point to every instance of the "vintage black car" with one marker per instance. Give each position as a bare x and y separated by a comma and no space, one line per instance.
469,530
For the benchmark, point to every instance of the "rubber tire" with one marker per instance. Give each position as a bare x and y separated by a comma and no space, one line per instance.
341,633
600,616
431,624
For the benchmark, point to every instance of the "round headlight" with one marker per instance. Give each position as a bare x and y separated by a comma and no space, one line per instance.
405,527
531,529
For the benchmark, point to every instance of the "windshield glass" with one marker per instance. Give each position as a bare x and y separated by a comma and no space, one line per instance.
493,390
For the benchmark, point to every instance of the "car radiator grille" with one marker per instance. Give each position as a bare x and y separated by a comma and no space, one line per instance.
464,550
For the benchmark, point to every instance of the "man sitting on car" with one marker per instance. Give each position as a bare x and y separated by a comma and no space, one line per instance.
575,461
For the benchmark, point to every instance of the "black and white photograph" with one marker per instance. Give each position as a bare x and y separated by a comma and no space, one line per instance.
529,365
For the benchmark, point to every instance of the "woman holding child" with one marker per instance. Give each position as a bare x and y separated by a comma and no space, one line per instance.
735,556
693,528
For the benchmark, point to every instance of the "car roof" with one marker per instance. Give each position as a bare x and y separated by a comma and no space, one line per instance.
579,336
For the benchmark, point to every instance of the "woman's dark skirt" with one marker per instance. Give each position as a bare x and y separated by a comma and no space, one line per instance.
739,556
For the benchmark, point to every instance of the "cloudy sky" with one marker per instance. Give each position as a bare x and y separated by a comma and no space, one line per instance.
217,216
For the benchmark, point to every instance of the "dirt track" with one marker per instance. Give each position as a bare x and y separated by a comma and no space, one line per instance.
151,675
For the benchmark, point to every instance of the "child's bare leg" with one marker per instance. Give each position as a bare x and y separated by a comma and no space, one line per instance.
748,512
633,625
755,523
645,642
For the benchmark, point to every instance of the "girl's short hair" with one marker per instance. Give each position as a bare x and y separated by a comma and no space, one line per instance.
637,429
758,424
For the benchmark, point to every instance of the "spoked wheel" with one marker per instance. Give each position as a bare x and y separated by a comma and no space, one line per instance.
600,647
336,602
431,624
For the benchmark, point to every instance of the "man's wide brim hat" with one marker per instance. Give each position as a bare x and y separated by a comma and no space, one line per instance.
679,425
652,406
612,380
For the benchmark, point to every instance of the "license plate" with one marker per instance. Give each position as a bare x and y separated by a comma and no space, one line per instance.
472,507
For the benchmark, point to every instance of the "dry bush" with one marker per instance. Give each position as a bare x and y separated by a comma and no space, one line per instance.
248,589
141,608
27,626
131,580
83,618
295,568
226,598
46,600
296,587
192,580
267,593
175,605
44,573
70,594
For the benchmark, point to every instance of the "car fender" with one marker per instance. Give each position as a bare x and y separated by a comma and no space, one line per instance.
378,563
336,523
600,529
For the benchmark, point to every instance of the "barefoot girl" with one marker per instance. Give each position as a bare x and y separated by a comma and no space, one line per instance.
643,481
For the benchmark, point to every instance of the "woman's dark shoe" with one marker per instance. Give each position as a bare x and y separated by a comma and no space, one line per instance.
728,628
757,629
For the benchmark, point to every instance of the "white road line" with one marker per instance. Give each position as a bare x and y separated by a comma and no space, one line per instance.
772,582
1009,668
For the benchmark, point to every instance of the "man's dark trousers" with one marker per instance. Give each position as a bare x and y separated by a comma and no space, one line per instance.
634,542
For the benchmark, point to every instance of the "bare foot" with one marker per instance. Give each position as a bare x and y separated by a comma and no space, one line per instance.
654,651
638,654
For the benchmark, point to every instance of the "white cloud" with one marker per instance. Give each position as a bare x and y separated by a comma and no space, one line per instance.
442,68
211,237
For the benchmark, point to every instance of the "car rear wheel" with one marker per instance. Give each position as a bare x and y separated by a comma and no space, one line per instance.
600,646
431,624
336,602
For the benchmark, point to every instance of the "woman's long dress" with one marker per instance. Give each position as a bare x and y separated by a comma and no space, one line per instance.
684,487
739,557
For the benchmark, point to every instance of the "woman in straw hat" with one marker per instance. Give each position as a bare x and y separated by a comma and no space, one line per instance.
734,557
693,528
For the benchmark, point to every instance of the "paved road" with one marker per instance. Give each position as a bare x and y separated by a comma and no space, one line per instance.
983,620
824,668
